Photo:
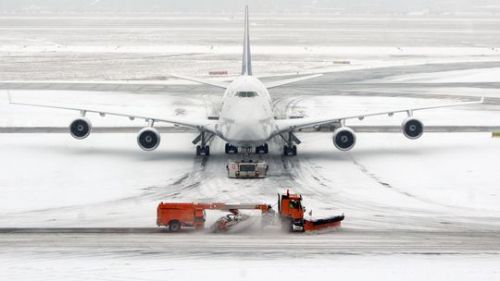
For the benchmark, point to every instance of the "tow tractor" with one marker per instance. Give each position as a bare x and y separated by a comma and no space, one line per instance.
176,216
247,168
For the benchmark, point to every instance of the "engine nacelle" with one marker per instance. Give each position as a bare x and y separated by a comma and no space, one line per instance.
148,139
80,128
344,138
412,128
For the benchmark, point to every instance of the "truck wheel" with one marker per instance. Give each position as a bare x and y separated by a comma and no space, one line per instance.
174,226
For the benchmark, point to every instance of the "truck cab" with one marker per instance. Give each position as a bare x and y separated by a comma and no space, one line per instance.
290,205
291,211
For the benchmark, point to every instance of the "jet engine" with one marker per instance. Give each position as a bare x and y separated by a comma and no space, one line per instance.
80,128
148,139
344,138
412,128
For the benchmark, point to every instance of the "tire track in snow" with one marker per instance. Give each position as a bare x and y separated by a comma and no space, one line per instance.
328,195
388,186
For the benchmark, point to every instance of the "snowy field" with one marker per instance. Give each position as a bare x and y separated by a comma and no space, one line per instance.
393,267
425,209
444,181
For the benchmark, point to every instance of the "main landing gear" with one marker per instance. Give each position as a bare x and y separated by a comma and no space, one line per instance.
203,148
290,149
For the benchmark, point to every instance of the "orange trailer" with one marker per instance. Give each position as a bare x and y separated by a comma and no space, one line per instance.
178,215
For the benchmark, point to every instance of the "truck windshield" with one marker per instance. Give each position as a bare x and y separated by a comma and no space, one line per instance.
294,204
247,167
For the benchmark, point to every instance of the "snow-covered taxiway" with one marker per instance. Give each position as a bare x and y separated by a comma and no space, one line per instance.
85,210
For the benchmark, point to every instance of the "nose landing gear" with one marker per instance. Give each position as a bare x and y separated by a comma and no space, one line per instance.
231,149
262,149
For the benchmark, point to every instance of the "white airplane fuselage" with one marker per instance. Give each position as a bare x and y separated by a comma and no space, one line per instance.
246,121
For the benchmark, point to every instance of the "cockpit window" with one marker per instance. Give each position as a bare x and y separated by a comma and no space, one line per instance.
246,94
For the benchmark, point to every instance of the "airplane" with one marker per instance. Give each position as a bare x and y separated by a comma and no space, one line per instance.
246,119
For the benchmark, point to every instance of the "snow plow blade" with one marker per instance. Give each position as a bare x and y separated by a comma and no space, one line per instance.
322,224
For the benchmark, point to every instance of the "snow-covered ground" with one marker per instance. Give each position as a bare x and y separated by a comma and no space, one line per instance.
448,177
468,75
345,267
107,48
424,209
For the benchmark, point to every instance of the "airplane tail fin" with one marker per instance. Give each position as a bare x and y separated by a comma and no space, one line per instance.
246,68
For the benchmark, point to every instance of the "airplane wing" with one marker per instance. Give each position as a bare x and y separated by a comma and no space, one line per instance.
269,85
278,83
218,84
285,125
206,125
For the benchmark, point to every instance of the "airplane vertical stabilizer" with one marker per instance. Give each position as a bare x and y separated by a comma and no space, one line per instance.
246,68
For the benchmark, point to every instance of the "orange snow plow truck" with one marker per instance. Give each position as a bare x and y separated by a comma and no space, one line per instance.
291,214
